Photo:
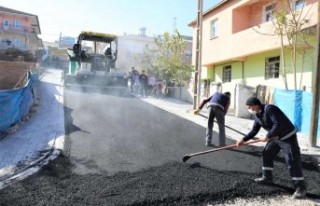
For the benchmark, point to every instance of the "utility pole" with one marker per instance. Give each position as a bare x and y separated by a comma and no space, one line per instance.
197,73
315,89
60,36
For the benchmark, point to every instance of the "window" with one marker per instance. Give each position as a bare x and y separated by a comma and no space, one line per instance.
17,24
272,67
17,42
267,12
299,4
226,74
214,28
5,24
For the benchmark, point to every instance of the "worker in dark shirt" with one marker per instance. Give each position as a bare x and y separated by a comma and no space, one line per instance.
218,105
281,136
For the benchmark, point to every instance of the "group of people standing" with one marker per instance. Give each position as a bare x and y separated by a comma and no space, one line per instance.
281,136
145,85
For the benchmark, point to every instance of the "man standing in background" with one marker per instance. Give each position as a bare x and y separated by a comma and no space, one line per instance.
143,78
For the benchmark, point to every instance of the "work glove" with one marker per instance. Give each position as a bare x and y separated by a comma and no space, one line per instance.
196,112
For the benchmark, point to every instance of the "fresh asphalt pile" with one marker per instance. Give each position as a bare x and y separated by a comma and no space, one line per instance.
174,183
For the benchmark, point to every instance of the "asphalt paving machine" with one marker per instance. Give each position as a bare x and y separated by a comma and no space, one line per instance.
93,61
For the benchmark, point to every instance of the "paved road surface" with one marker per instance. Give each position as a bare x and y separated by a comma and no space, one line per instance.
128,152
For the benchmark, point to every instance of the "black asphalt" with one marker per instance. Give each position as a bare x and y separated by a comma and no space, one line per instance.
122,151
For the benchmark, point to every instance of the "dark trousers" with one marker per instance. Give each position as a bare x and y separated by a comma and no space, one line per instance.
216,112
291,152
143,90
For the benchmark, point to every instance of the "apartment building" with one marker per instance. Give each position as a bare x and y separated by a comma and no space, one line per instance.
240,45
19,29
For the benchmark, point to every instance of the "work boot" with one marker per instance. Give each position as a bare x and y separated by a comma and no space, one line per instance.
264,180
299,193
209,144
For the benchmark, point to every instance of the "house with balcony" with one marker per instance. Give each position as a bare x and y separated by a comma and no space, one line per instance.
241,48
19,30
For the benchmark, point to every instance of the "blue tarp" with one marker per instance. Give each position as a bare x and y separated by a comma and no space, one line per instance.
289,101
14,104
297,106
306,112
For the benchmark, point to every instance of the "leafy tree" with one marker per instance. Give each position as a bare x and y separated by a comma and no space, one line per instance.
166,58
290,26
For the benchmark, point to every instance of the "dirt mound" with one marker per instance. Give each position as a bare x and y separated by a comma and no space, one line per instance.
11,72
14,54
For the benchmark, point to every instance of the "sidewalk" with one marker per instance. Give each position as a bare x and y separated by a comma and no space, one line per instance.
34,141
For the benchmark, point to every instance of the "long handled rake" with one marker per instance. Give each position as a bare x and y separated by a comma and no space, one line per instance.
188,156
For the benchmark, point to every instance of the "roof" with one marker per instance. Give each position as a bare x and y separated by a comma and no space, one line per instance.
97,36
12,11
35,20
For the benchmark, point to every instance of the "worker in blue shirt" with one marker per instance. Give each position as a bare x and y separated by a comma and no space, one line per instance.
218,105
281,136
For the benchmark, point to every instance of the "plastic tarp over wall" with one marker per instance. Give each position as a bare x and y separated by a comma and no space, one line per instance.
15,104
306,114
297,106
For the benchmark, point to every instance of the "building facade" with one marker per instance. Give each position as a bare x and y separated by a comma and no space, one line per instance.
241,46
19,29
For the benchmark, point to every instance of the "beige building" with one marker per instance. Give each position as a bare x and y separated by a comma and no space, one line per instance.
241,50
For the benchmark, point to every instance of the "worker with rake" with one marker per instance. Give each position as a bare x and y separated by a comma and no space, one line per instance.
281,136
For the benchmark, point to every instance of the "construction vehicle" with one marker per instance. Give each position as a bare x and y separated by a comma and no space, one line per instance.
93,61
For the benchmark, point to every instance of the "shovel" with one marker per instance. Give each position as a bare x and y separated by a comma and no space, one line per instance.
188,156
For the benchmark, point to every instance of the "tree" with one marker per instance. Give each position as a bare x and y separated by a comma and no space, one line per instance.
290,25
166,59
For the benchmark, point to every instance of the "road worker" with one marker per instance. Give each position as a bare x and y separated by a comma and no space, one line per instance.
218,105
281,136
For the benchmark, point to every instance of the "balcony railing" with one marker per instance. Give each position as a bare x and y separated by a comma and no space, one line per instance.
18,29
4,46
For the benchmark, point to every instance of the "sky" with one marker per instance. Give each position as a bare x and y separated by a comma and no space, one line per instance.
70,17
